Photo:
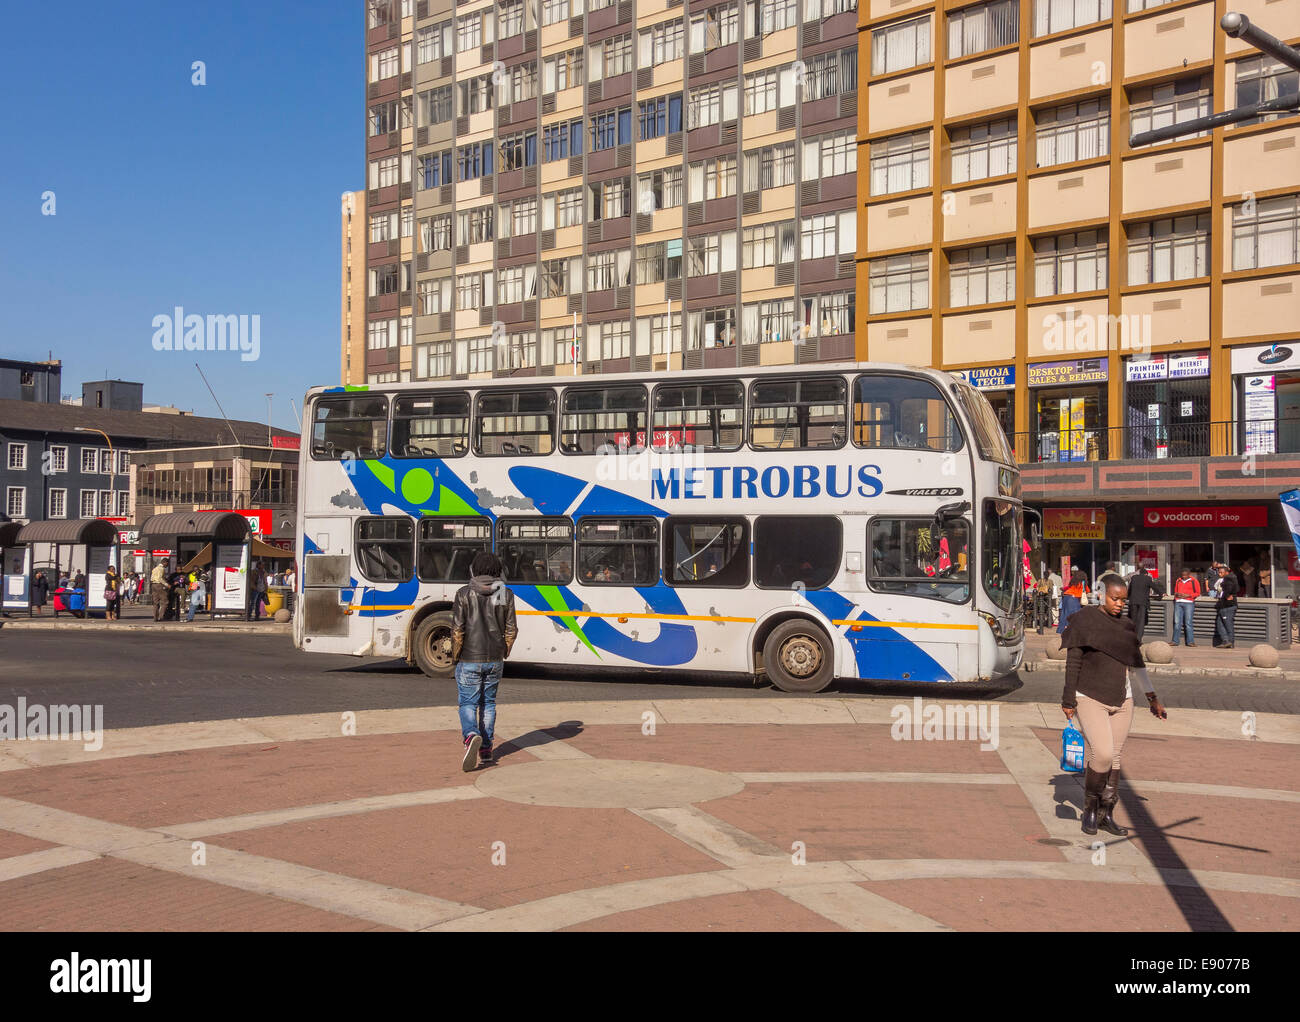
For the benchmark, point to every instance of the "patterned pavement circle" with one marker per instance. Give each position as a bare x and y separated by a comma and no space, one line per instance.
801,814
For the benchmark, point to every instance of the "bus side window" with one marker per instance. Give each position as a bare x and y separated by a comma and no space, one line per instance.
706,552
701,416
614,551
430,425
906,559
791,550
385,551
447,547
608,419
536,549
902,411
514,422
349,427
798,414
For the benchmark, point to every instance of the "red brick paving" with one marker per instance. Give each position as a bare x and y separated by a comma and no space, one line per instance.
1061,905
110,894
854,820
20,844
718,913
446,850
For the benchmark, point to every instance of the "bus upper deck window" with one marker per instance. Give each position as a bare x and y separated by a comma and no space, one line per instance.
903,411
702,416
515,422
349,427
787,415
605,419
431,425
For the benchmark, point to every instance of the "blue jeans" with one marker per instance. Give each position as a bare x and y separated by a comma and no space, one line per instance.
1069,607
1183,623
478,697
1225,625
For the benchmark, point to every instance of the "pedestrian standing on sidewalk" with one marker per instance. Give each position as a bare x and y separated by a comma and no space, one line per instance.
1071,599
1140,587
112,594
482,631
1186,590
256,592
1102,649
198,595
158,589
40,592
1225,617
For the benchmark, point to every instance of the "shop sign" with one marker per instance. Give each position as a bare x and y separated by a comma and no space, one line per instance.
989,377
1261,430
1219,517
1167,367
1154,368
1059,374
161,553
286,443
1265,358
1187,367
129,538
1074,523
259,520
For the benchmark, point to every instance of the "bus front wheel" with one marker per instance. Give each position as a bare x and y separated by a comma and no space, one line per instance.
432,644
797,657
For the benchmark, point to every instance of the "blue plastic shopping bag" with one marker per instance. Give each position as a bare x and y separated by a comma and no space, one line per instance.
1071,749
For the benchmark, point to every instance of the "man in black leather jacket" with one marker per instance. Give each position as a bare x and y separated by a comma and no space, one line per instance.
482,631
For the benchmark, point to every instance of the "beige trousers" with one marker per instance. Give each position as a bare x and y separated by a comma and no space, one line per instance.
1104,730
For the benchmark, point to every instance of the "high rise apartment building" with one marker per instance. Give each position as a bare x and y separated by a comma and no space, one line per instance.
352,289
561,186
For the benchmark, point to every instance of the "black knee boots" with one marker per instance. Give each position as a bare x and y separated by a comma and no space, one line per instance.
1109,796
1093,782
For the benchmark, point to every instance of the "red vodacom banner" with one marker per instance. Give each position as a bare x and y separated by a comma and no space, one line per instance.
1231,516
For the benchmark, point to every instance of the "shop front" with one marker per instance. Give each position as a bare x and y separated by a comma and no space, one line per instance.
1068,410
998,384
1266,392
1167,406
1075,537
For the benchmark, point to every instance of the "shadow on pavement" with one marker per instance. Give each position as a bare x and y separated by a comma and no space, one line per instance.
534,739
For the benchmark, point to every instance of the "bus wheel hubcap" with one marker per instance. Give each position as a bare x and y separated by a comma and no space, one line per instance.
440,648
801,656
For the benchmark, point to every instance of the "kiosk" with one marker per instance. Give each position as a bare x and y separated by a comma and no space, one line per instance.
225,533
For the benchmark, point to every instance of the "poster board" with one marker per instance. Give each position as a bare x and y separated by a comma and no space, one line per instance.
98,558
17,577
229,577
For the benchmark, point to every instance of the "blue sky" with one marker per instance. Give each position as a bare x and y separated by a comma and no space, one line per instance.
221,198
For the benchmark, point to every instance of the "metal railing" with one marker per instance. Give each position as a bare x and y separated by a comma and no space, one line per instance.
1147,441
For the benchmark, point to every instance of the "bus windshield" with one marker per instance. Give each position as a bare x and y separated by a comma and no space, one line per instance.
1002,554
989,438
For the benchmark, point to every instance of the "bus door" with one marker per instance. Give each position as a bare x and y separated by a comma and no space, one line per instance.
328,590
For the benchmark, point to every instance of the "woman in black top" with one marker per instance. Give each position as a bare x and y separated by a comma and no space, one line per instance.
1102,648
40,591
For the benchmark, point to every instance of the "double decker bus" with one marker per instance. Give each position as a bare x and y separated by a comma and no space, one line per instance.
850,521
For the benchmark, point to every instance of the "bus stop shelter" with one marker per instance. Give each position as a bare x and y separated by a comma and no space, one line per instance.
185,534
91,545
15,568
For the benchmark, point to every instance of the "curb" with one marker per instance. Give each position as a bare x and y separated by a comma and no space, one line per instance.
1273,673
273,628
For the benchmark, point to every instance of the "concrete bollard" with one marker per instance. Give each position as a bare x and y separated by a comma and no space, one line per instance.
1054,650
1263,655
1159,653
282,615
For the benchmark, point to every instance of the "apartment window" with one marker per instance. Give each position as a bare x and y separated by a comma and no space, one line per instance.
983,150
16,501
384,173
473,30
563,71
1266,232
58,458
58,503
563,209
659,189
1075,131
105,461
475,95
383,280
664,332
983,27
480,354
1260,79
718,26
383,118
89,460
767,16
710,104
518,150
610,57
831,74
434,170
435,233
433,361
770,167
819,10
758,246
1176,248
556,10
385,64
560,141
600,271
900,163
899,283
378,13
900,45
515,283
122,503
704,254
510,18
614,339
1069,263
611,128
89,498
433,43
832,155
977,276
434,296
662,43
1159,106
474,289
609,199
828,234
562,277
662,116
475,225
381,333
767,322
1146,5
383,227
829,315
712,328
659,261
18,457
760,92
713,179
436,105
518,84
1058,15
474,160
520,351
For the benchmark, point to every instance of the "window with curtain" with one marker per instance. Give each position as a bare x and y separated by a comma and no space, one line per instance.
981,275
1058,15
1070,263
899,283
1159,106
767,322
1174,248
1260,79
770,167
718,26
983,27
901,45
1266,232
900,163
983,150
1074,131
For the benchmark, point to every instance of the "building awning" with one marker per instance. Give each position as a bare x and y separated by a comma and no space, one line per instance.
9,533
257,550
71,530
221,525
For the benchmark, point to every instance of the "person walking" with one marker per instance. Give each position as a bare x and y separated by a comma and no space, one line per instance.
482,631
256,592
1225,608
1186,590
158,588
40,593
1058,584
198,595
1071,599
1140,587
1102,649
112,594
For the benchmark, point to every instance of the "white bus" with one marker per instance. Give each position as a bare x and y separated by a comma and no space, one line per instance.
803,523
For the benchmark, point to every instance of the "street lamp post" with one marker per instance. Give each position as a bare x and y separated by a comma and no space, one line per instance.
112,464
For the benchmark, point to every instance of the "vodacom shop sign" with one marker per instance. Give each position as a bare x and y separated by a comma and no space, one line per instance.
1223,517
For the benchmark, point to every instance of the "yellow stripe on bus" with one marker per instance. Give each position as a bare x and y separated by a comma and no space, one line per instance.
688,617
655,617
907,624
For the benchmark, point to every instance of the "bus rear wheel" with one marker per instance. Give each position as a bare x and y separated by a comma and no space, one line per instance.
797,657
432,644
